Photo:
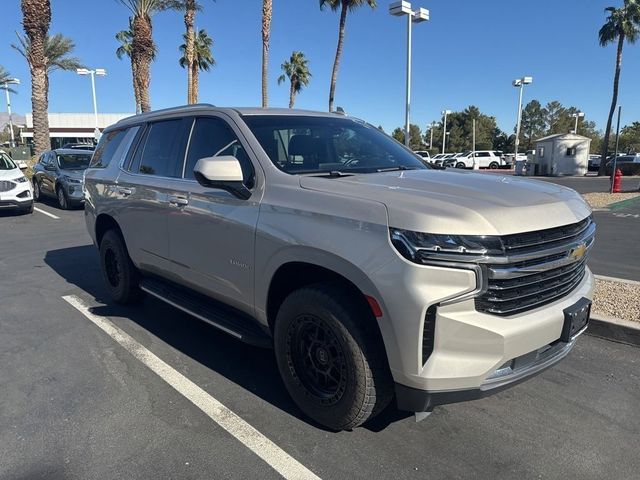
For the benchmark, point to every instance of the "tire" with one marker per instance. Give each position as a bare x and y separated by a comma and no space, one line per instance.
460,165
331,357
36,190
494,165
120,275
63,202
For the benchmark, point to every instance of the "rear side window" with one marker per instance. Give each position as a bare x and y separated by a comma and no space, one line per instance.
109,143
159,154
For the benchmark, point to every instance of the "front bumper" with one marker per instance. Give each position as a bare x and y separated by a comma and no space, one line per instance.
74,192
20,197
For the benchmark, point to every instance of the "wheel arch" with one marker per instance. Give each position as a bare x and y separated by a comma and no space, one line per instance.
105,222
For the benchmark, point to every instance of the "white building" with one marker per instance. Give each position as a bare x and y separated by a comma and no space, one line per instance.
71,127
561,154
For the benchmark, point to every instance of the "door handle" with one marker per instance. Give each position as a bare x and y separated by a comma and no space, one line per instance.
178,201
125,191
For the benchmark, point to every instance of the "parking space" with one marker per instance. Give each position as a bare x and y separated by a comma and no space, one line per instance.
78,402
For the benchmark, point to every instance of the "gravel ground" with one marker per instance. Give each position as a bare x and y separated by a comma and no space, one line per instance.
617,299
602,200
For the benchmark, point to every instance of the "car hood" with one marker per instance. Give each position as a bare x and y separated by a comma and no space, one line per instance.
75,174
10,174
460,202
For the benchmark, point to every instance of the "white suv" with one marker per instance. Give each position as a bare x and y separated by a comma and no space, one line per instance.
492,159
15,189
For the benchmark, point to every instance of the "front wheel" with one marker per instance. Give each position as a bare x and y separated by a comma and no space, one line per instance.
62,198
494,165
330,356
120,275
36,190
460,165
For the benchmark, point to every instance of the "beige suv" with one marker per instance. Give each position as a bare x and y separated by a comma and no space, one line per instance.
374,277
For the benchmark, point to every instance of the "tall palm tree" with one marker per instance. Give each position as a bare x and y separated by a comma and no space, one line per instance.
202,59
296,69
36,18
622,24
143,48
267,12
5,76
345,6
125,37
190,8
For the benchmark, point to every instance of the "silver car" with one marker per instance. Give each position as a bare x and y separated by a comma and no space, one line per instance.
59,174
374,277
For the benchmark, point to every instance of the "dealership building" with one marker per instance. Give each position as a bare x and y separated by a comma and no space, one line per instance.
71,127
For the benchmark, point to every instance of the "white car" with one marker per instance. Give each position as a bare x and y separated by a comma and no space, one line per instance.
423,154
15,188
492,159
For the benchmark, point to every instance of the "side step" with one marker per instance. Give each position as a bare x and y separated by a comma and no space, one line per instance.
235,323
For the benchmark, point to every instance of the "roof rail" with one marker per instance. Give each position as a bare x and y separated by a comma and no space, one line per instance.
194,106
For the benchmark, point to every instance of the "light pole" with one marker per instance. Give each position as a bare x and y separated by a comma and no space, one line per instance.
432,125
100,72
420,15
5,85
577,116
444,129
520,83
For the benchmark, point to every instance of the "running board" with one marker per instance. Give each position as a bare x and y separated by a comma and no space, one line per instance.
238,325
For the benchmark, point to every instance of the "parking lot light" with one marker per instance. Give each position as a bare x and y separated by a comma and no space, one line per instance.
432,125
520,83
5,85
577,116
398,9
444,129
100,72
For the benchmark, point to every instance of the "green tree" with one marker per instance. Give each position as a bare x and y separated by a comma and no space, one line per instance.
460,126
415,137
533,124
296,69
36,18
201,60
344,6
630,138
622,24
190,7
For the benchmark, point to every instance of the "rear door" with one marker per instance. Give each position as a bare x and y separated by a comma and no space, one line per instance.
212,232
143,192
483,159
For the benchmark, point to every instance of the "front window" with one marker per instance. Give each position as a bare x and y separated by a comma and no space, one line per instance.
73,162
6,163
298,145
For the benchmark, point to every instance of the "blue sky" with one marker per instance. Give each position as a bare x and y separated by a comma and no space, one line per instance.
468,53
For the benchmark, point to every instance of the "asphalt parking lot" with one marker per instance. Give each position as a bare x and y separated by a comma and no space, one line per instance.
77,403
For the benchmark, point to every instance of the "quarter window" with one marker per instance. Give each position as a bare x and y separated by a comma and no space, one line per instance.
108,144
161,148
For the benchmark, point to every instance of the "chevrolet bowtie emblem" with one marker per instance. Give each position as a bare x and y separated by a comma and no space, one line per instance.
578,252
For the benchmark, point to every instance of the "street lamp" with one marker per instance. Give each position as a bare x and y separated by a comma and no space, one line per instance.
100,72
444,129
432,125
5,85
420,15
520,83
577,116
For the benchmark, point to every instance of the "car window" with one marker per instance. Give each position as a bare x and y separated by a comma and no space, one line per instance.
483,154
108,144
159,152
72,161
6,163
213,137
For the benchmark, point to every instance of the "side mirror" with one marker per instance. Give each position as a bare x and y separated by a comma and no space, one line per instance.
223,172
22,165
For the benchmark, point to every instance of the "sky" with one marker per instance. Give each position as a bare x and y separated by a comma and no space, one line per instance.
467,54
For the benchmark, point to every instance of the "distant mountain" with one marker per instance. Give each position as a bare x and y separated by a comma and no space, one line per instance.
16,117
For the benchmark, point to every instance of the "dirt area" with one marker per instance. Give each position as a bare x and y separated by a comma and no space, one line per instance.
603,200
617,299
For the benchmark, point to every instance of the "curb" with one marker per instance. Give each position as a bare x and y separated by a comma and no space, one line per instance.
616,329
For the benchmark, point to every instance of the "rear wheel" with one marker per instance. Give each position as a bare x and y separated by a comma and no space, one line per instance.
460,165
330,356
120,275
494,165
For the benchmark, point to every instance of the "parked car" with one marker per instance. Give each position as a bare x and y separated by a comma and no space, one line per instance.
59,174
438,156
445,160
492,159
79,146
15,189
371,275
594,162
423,154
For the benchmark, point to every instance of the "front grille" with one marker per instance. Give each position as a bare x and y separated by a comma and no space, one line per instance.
538,268
6,185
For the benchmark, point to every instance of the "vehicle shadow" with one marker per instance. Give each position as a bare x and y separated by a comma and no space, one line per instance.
252,368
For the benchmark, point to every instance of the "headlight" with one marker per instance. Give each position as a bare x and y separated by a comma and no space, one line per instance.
22,179
427,247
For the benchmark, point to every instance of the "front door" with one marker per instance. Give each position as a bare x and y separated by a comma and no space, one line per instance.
212,232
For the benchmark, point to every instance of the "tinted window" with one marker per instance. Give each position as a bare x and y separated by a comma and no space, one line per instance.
109,143
483,154
212,137
73,162
297,144
159,154
6,163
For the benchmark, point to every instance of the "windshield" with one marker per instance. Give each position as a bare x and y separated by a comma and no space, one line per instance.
73,162
6,163
298,145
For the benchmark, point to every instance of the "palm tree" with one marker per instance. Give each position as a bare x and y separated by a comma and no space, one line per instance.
345,6
202,59
5,76
36,18
267,11
622,24
297,70
143,48
125,37
190,8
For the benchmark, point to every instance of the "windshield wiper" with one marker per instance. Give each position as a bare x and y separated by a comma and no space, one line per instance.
393,169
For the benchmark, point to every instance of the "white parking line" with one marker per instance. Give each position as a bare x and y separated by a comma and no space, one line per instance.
251,438
44,212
